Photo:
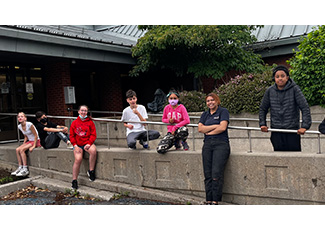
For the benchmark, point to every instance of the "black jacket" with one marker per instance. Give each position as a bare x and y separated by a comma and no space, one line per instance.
284,107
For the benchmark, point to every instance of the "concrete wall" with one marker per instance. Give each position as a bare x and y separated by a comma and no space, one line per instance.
259,177
250,178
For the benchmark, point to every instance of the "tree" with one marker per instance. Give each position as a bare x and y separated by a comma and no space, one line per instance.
199,50
308,67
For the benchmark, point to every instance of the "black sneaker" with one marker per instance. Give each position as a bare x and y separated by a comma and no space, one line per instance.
185,145
177,145
74,184
91,175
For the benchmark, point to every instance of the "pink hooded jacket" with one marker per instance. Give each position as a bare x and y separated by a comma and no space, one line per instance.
179,114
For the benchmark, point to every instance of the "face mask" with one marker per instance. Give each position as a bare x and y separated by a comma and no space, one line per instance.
173,102
44,120
82,117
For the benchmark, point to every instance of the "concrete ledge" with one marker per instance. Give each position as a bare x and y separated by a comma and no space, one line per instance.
250,178
5,189
62,186
101,189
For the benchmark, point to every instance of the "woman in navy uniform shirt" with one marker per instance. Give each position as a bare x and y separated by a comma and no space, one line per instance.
216,150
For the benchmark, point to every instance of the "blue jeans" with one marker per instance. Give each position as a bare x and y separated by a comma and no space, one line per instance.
215,154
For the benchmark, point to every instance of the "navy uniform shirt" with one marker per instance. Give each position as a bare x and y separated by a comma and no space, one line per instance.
207,119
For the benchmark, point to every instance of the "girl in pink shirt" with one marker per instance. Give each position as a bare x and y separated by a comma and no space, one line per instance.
176,115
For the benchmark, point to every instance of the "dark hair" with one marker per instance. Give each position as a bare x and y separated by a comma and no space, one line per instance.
173,91
215,97
130,93
39,114
280,67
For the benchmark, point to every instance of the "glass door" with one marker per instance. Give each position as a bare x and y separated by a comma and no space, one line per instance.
21,91
8,124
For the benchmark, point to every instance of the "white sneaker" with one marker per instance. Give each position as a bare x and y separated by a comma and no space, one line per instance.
23,172
69,145
17,171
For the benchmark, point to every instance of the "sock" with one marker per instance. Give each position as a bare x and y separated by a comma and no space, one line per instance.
25,167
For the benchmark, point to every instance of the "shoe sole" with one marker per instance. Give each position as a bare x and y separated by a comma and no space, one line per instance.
23,175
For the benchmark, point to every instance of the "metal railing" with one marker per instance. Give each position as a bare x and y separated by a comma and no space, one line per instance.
115,113
147,123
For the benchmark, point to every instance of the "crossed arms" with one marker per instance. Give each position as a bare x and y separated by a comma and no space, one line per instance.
213,129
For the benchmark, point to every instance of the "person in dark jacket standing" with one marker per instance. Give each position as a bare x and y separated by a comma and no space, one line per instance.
285,101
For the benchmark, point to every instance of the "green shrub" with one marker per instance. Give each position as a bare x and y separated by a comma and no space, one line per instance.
194,101
308,68
244,93
241,94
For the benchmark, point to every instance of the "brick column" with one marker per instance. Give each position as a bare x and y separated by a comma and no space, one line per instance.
111,90
57,77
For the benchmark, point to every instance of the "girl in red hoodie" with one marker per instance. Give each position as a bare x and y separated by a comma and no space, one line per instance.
82,136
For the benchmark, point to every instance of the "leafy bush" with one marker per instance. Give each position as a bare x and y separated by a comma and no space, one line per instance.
308,69
194,101
241,94
244,93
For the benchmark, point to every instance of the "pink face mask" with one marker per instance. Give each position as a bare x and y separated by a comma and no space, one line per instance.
173,102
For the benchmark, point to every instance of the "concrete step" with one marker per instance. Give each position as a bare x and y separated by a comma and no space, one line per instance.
62,186
102,189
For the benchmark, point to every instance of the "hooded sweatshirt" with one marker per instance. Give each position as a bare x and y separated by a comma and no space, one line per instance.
179,114
284,107
82,132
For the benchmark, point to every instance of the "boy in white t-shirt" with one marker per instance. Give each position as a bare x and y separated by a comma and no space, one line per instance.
136,131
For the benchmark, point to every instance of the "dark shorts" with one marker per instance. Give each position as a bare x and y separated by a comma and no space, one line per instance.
82,147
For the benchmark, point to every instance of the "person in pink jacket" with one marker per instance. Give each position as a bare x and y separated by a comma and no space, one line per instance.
176,115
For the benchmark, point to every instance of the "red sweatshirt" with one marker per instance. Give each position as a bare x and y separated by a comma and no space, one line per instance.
82,132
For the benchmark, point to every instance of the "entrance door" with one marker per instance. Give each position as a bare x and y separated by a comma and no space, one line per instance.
21,91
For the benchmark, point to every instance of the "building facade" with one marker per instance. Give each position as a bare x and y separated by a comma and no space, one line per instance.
37,63
42,67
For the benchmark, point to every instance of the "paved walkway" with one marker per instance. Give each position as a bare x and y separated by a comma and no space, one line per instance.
138,195
54,192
